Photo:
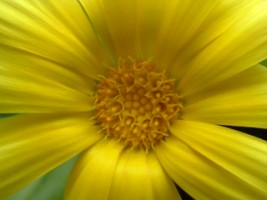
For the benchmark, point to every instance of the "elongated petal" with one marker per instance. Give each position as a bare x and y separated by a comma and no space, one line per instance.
92,176
238,101
151,28
33,144
107,172
233,38
139,176
212,162
58,31
47,61
180,26
31,89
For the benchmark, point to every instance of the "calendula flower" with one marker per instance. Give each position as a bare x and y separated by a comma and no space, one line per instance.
141,88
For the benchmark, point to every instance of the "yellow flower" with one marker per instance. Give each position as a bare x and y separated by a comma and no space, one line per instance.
141,88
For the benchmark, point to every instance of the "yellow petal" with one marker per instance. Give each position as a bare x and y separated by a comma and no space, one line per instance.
48,62
33,144
92,176
31,84
139,176
179,24
107,172
58,31
238,101
151,28
23,91
212,162
233,38
12,59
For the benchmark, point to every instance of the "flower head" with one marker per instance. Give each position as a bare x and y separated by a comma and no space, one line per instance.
142,90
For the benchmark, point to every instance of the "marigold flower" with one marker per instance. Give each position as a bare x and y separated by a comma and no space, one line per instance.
141,89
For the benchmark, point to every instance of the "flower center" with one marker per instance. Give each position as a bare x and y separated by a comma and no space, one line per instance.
136,105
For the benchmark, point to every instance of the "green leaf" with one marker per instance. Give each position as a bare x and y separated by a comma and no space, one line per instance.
7,115
264,63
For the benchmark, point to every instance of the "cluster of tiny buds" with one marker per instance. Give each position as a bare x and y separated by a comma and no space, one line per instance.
136,105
